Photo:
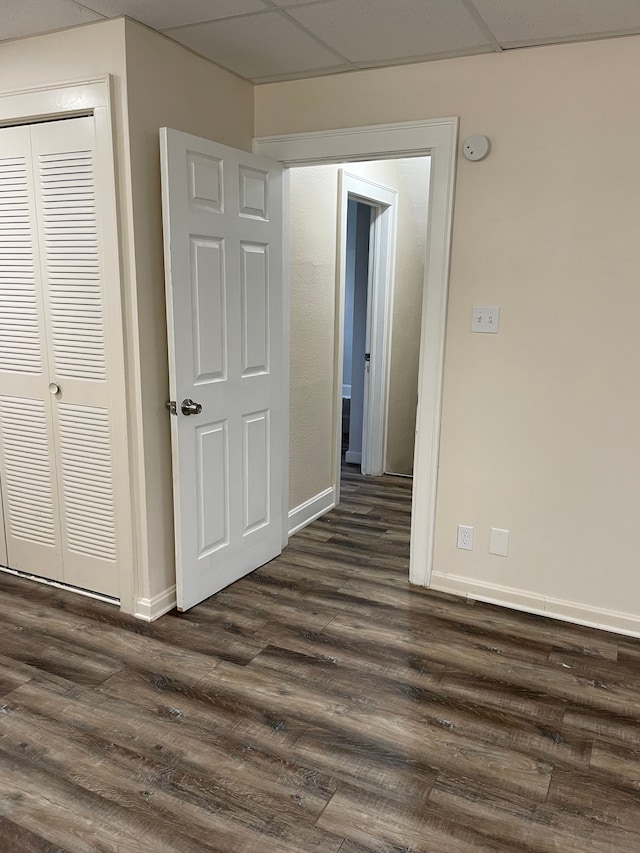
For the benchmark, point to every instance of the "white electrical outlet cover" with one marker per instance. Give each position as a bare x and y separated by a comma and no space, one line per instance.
499,542
465,537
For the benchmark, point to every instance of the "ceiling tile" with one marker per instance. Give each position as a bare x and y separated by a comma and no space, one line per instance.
161,14
535,20
28,17
365,30
257,46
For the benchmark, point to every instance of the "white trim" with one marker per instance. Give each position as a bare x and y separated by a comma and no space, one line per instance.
286,335
541,605
382,255
312,509
353,458
350,144
93,96
438,139
151,609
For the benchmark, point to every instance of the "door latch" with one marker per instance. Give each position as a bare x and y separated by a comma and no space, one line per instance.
171,405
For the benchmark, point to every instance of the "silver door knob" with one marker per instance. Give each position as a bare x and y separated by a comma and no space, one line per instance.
188,407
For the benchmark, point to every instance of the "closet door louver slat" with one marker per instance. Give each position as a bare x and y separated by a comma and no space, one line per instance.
86,468
73,267
20,349
29,496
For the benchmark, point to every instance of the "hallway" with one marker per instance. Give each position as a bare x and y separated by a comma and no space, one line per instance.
318,705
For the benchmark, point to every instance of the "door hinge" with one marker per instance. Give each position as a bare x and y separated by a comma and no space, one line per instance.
171,405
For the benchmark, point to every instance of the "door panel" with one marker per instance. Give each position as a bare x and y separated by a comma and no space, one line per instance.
255,446
67,195
212,467
254,284
20,310
28,480
27,456
85,469
222,211
72,269
208,293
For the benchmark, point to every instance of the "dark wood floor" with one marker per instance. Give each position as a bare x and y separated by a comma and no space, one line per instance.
319,705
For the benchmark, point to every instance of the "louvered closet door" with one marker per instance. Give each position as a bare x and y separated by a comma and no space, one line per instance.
27,457
67,190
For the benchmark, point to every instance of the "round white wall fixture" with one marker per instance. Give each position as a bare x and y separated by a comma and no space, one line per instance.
476,147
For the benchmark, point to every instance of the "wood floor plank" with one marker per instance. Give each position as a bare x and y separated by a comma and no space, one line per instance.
171,770
390,698
525,826
68,816
377,822
367,765
52,655
17,839
407,734
599,805
320,704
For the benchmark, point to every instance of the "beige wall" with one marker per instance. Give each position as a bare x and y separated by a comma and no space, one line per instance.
541,422
167,86
313,394
405,339
313,293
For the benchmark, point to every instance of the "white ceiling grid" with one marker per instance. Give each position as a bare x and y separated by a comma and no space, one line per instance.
268,40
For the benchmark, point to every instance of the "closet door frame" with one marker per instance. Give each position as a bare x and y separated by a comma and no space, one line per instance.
93,97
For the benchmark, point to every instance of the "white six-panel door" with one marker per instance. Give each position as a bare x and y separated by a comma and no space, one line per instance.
57,446
222,211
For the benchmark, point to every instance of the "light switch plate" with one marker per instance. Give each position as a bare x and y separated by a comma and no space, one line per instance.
485,319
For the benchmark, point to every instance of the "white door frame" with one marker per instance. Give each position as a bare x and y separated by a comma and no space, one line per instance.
379,305
438,139
93,96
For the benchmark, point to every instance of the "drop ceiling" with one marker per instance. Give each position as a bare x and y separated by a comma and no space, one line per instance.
269,40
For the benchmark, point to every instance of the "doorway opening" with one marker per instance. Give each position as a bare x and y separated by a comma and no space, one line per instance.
356,356
437,140
366,252
357,281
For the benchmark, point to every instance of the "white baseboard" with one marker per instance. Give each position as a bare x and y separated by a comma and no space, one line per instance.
353,458
151,609
308,511
530,602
